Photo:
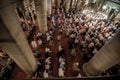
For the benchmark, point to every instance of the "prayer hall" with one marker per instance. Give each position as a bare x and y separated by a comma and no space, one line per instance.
59,39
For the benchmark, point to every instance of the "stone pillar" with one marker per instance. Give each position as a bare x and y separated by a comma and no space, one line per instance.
49,7
40,6
67,5
108,56
13,40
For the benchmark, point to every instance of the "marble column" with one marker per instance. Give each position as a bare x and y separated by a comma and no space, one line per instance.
40,6
49,7
67,5
105,58
12,38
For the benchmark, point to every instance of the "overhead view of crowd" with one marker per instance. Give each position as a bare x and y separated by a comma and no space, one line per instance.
72,39
87,34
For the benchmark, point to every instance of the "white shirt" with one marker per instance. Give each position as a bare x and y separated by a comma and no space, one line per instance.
62,64
101,38
40,42
48,37
39,34
60,48
45,74
47,66
94,51
60,59
47,50
79,75
91,45
34,44
58,37
76,40
109,37
48,60
106,34
61,72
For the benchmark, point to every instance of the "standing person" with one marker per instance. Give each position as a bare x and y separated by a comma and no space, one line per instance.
46,74
75,66
34,44
61,72
47,52
60,51
73,52
51,43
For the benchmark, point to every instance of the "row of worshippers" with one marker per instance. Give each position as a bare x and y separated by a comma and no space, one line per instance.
76,69
36,41
48,68
44,68
48,52
61,69
72,31
48,63
57,21
60,53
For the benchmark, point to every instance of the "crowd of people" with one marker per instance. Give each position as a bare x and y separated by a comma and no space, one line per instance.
89,34
7,65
